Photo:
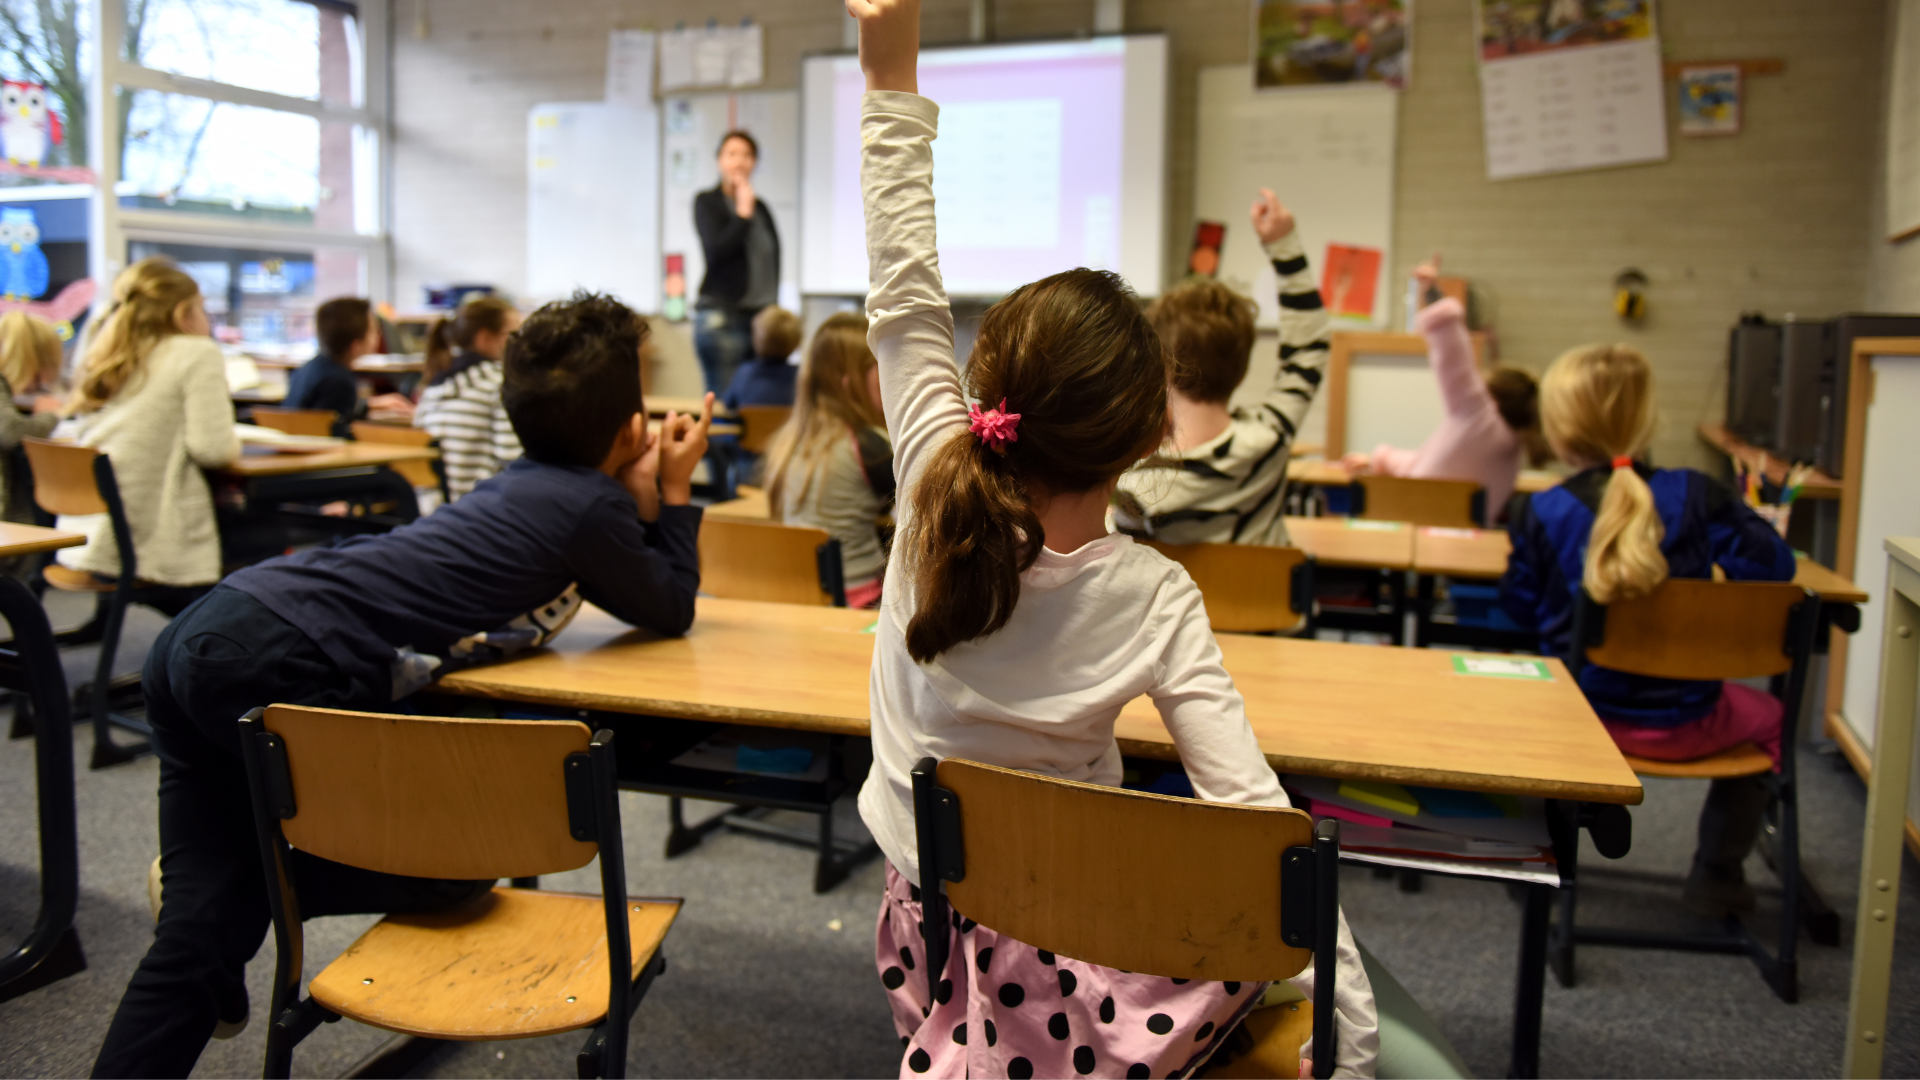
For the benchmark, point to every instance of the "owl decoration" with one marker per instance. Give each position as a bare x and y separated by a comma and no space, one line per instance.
23,266
28,129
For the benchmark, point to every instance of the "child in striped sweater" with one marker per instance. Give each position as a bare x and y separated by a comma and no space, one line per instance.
1220,478
461,406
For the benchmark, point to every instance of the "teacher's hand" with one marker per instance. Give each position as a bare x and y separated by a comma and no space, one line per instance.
743,196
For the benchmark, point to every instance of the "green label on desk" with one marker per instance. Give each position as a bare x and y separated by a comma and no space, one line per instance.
1375,526
874,628
1502,667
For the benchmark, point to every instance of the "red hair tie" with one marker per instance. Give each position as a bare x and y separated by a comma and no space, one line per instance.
995,427
1624,461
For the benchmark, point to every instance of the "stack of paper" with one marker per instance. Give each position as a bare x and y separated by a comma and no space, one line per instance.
1433,828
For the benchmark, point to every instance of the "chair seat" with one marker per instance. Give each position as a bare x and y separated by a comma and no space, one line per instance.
67,579
516,964
1745,759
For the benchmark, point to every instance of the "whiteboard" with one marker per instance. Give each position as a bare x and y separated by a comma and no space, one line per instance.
593,202
1887,508
694,124
1392,399
1328,153
1903,124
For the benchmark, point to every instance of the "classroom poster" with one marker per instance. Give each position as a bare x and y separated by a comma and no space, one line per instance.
1569,84
1710,100
1350,283
1328,42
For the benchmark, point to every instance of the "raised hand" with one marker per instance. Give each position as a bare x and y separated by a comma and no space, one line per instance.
683,442
889,43
1270,219
743,196
1427,274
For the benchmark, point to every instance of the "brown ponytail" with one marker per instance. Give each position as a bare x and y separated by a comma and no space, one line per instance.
1597,406
476,314
1075,357
1517,398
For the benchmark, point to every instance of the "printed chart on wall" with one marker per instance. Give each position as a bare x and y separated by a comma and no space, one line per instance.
1569,84
694,124
1328,154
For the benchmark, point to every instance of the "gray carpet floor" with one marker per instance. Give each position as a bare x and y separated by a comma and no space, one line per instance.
766,979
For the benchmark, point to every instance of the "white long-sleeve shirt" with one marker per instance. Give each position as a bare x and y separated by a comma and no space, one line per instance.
1094,628
170,421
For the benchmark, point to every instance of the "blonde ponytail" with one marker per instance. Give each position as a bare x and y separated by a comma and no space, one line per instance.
146,303
1596,403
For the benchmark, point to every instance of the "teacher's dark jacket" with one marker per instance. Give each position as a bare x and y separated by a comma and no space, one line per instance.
723,235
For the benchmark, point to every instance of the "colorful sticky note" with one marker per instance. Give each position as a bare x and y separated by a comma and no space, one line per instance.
1503,667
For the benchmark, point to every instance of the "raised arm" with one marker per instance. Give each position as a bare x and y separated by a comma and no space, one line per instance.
1443,322
910,326
1303,319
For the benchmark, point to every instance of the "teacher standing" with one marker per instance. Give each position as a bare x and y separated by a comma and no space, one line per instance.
743,262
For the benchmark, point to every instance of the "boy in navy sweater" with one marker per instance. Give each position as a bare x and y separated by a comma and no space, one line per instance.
598,511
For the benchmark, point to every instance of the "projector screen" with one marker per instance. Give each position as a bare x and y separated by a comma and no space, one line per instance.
1050,156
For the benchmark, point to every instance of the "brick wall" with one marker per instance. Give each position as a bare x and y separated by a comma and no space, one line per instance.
1779,218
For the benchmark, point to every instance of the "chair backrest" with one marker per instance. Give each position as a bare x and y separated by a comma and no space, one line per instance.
296,421
786,564
432,797
1248,588
1452,504
63,477
1057,864
1692,629
758,423
417,473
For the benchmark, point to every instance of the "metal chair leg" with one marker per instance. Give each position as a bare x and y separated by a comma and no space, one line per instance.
1560,947
105,751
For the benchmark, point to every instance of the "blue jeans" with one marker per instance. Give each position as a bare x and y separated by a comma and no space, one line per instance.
723,338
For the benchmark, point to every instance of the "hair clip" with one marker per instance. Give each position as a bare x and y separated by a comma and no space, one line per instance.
1624,461
995,427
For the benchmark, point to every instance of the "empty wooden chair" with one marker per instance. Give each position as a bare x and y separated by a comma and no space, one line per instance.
75,480
1691,629
758,423
1248,588
1451,504
1235,893
783,564
427,474
455,799
296,421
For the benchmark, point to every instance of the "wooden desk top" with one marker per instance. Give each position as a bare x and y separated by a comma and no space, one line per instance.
1319,472
661,404
1817,486
346,456
264,394
1482,553
1328,709
17,539
1339,541
377,364
750,506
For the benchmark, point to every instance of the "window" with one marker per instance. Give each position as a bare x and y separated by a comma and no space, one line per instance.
262,296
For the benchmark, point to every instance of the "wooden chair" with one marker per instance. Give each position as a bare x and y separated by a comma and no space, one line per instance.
1248,588
296,421
758,423
69,479
784,564
1691,629
1240,893
455,799
1447,504
427,474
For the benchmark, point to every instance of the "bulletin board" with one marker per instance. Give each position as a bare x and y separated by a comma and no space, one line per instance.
1903,125
1327,152
693,125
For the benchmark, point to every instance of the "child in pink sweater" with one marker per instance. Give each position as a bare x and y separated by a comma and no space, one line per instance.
1492,424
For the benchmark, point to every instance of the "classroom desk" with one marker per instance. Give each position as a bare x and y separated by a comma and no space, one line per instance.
1342,541
1319,472
1817,486
750,505
662,404
806,668
30,666
264,394
350,455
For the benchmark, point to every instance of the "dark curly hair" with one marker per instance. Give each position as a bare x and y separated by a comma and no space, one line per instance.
573,378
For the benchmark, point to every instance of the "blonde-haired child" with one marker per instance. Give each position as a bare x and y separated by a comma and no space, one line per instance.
1015,626
1619,528
152,395
30,358
830,465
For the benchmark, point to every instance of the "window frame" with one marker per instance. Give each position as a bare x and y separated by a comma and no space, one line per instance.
113,226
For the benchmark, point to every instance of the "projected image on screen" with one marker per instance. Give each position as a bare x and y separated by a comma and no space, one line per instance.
1049,157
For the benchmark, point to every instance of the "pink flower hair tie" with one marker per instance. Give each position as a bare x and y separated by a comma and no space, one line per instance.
995,427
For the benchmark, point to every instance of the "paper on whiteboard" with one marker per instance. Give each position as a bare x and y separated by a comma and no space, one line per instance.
630,68
1327,153
676,60
749,51
1579,108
